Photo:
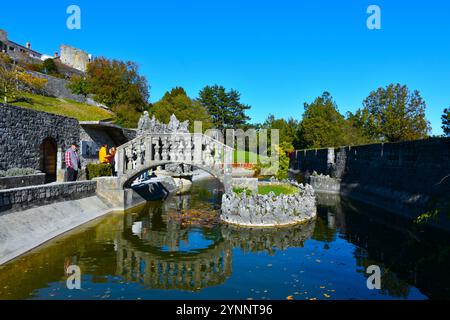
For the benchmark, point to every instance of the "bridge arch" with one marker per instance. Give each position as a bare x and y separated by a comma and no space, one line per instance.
128,179
152,150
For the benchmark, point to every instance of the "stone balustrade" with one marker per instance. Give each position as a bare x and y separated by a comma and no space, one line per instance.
152,150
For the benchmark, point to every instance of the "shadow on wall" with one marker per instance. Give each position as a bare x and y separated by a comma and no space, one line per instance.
410,177
48,159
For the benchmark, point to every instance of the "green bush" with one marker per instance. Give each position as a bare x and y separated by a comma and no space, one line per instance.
98,170
278,189
37,67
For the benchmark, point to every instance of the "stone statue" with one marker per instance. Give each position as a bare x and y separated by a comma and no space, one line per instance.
184,127
173,124
147,125
144,124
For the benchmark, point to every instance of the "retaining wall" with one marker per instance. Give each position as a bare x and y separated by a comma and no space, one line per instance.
22,181
407,177
19,199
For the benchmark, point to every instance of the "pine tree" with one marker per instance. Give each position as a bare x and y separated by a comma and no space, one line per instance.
224,107
446,122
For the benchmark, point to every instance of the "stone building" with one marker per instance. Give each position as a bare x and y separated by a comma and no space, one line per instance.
37,140
74,58
69,56
17,51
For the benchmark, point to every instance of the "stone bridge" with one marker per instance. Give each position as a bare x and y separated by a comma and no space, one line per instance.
151,150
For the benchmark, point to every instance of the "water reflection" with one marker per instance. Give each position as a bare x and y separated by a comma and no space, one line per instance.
155,249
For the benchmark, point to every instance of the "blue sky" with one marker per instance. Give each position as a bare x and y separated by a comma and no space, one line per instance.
278,54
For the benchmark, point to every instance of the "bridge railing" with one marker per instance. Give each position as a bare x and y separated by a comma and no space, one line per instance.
152,149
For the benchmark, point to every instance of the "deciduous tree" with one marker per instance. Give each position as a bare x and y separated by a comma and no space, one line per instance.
322,125
393,114
177,102
115,83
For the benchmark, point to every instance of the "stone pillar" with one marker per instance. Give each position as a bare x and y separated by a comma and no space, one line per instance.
331,161
60,170
121,162
148,151
227,170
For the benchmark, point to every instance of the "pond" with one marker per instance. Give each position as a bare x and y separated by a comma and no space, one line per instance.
179,250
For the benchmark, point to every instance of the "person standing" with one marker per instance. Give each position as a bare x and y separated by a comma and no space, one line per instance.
112,160
102,154
73,163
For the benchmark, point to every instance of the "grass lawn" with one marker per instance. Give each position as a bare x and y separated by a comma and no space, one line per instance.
63,107
240,154
266,189
277,189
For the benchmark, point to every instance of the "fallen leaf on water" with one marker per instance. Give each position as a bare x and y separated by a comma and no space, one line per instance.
290,298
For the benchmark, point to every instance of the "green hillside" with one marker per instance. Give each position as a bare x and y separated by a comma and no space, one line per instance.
64,107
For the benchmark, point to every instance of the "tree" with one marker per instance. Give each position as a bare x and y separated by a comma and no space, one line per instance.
224,107
29,82
393,114
79,85
126,116
323,126
49,67
177,102
446,122
288,130
116,83
8,84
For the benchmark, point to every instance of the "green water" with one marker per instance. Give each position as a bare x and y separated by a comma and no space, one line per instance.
154,252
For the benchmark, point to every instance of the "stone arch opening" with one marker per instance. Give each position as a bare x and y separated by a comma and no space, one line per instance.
48,159
131,178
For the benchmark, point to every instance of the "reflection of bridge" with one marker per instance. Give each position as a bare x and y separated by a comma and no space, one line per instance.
151,255
188,272
152,150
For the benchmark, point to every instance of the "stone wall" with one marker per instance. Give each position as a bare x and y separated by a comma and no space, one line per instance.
57,87
19,199
325,184
22,181
22,131
408,177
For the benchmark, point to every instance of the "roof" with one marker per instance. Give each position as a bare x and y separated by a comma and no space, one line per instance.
23,47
